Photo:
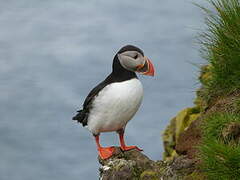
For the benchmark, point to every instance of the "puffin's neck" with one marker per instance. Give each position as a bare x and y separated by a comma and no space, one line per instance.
120,73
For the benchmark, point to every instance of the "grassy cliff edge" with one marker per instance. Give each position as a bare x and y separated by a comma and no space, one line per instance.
217,147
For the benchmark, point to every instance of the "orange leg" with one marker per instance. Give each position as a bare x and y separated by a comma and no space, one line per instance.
122,142
104,152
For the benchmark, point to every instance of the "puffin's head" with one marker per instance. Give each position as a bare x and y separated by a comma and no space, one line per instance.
132,58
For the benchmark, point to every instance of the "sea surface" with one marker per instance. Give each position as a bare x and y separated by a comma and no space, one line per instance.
53,52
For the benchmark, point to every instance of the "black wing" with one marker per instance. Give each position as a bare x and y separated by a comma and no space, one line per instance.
82,116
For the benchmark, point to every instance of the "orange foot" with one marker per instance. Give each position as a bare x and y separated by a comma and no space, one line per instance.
127,148
106,152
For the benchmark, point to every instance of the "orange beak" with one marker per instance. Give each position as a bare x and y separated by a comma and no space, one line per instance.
146,68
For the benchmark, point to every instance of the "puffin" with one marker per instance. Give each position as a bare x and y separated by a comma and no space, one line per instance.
113,102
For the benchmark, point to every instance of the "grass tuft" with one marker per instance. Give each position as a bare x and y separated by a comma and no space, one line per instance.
221,46
220,158
220,146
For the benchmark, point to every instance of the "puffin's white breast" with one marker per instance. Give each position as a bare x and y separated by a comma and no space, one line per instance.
115,105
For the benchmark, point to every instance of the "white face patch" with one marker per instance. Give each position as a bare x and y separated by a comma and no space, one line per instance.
130,60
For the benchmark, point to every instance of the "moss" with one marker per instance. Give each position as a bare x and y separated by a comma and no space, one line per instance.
120,164
194,110
162,166
195,176
149,175
202,99
169,139
177,125
136,172
184,119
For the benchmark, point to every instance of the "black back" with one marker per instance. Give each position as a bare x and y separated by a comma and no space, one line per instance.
118,74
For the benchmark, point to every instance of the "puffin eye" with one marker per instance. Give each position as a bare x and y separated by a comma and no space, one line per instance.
136,56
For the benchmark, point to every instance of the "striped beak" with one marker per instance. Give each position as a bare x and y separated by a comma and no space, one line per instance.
147,68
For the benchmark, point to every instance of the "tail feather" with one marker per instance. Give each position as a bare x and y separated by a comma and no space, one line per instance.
81,117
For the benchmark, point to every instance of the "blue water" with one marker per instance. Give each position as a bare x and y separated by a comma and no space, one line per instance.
53,52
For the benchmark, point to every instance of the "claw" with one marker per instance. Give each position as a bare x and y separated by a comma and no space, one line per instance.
127,148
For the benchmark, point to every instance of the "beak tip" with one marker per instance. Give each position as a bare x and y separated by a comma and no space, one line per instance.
151,71
147,69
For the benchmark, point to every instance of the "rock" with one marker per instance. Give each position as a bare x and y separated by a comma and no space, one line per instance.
184,119
177,126
189,139
127,165
134,165
169,140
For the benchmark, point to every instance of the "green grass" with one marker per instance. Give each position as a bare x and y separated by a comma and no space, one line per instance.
220,147
221,46
220,157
